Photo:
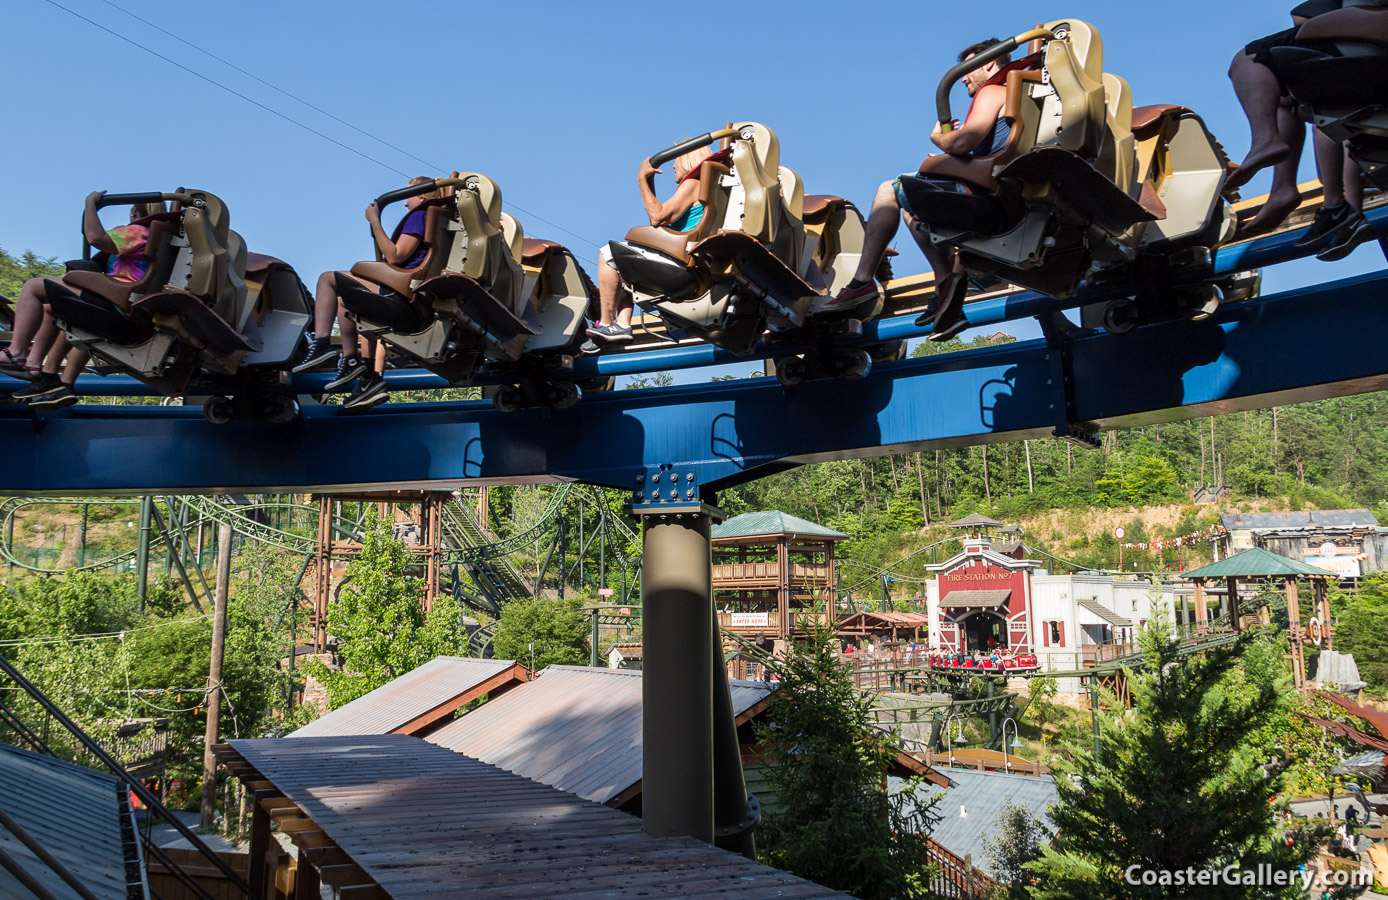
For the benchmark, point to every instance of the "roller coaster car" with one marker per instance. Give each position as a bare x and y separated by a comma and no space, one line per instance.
485,299
190,324
748,266
1338,73
1086,191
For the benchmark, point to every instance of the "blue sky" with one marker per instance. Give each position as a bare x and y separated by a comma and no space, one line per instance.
555,101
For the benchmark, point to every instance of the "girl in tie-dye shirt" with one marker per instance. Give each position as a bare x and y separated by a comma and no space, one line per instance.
34,330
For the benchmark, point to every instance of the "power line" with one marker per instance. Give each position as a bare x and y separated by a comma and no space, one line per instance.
98,636
232,91
292,96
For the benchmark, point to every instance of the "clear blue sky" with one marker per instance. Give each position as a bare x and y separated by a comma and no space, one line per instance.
555,101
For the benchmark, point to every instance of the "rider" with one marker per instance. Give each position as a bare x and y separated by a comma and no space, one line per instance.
405,248
34,328
682,212
984,131
1277,137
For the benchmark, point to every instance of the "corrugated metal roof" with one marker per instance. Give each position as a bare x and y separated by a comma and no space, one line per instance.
975,599
70,811
1332,518
907,620
1254,562
573,727
1105,613
972,807
772,521
432,686
422,822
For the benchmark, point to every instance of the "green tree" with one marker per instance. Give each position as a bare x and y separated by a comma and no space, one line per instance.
1180,782
379,621
1015,842
559,629
14,271
827,763
1361,628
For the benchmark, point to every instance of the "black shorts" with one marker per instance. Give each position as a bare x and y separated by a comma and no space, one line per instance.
1261,51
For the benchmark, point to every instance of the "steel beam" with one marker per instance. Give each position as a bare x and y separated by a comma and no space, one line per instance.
1308,344
677,704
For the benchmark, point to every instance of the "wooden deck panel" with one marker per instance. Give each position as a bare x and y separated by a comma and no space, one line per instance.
420,820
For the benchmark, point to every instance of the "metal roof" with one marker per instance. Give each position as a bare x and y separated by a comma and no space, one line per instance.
974,520
1105,613
769,522
1256,562
70,811
972,807
888,619
421,822
975,599
1273,521
427,693
573,727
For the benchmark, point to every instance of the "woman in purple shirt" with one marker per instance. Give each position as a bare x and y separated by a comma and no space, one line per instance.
406,248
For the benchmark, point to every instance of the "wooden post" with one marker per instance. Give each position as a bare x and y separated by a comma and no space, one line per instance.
306,885
1233,586
1202,613
1323,607
783,585
214,676
1298,654
259,845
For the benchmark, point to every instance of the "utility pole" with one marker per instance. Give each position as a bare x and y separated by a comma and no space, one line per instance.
214,675
142,549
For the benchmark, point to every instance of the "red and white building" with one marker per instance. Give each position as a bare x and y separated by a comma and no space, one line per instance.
991,595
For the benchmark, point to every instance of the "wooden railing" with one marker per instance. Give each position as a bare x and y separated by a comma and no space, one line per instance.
956,878
770,572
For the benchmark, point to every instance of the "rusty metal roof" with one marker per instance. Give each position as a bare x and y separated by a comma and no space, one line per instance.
574,728
900,620
418,698
420,821
1106,614
70,811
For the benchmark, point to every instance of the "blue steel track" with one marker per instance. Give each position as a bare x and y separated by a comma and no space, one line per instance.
1323,341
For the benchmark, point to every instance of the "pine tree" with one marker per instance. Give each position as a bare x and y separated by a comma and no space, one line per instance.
833,822
1179,785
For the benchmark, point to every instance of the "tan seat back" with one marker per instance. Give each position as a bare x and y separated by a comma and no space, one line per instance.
479,246
766,210
1118,157
1075,118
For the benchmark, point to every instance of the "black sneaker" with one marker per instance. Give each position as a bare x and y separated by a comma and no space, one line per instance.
369,392
1327,219
349,369
1350,233
57,398
42,384
320,350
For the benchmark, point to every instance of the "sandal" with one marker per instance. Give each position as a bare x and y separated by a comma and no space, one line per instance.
13,365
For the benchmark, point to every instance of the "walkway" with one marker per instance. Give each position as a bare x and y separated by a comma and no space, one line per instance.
402,818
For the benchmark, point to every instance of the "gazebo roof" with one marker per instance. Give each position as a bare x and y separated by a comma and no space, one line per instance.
976,520
773,522
1256,562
